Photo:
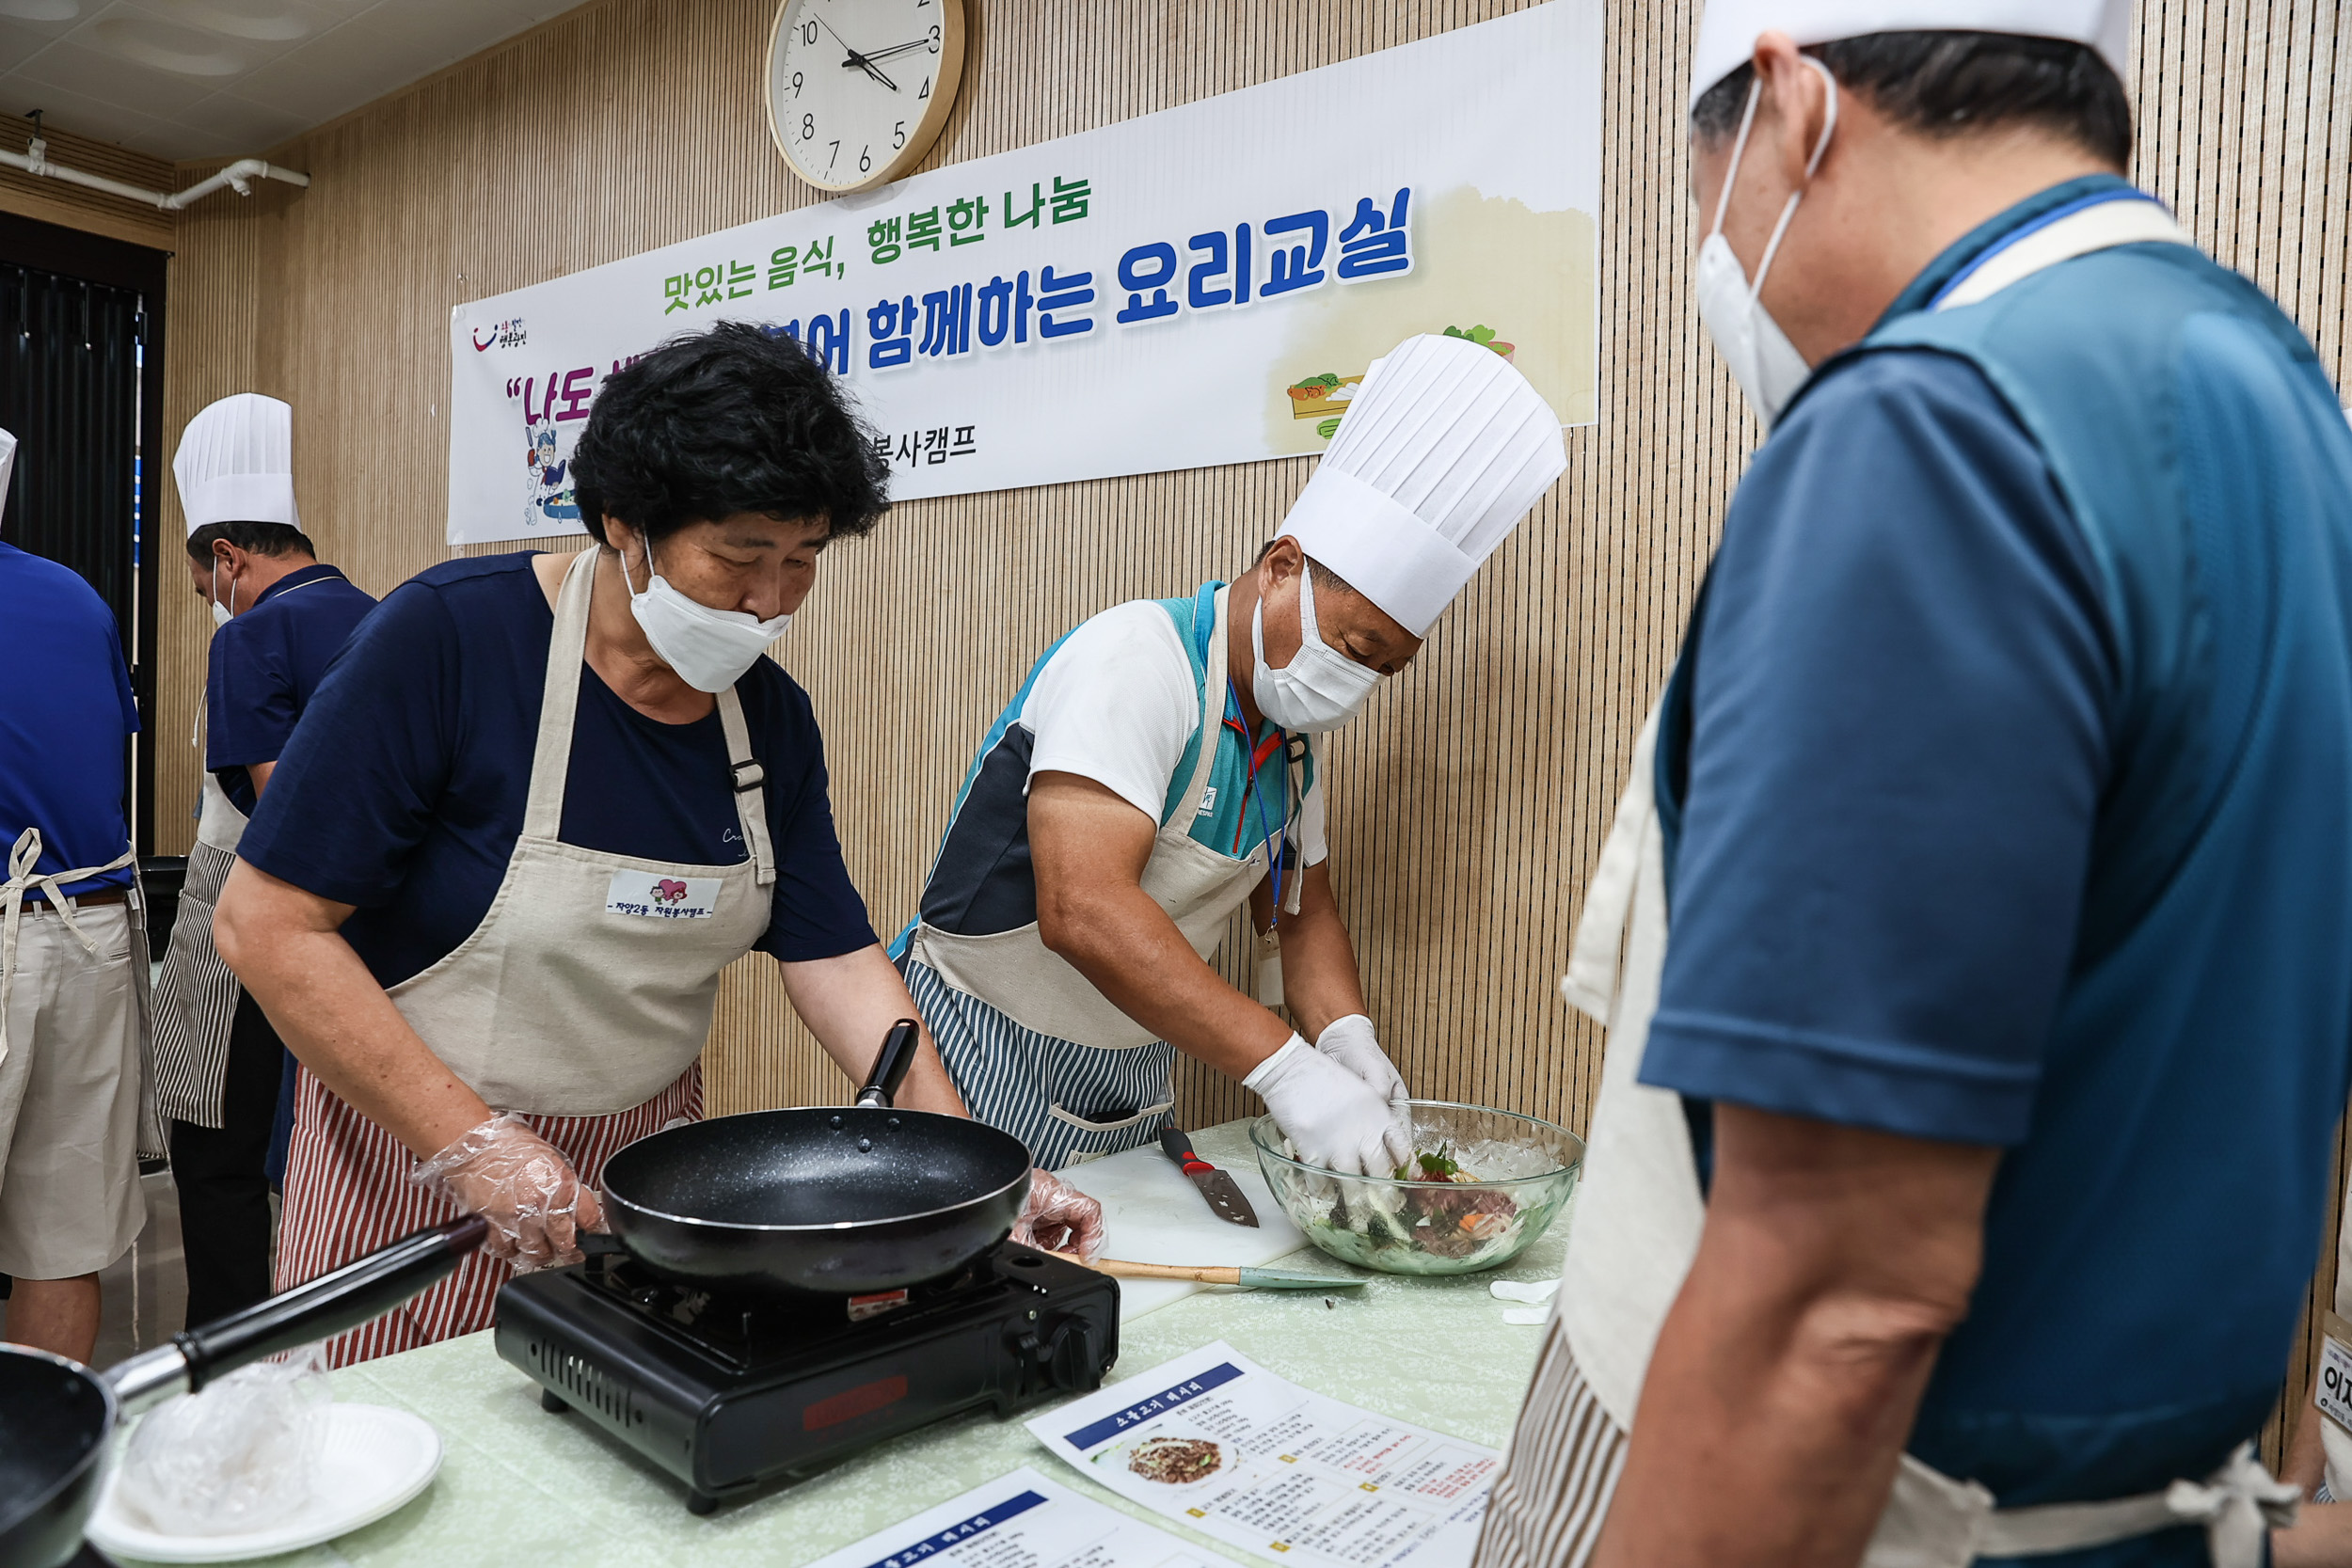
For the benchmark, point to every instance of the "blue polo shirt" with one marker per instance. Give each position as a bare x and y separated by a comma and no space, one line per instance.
264,665
66,718
402,790
2008,774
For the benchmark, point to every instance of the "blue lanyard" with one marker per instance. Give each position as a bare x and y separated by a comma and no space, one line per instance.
1277,837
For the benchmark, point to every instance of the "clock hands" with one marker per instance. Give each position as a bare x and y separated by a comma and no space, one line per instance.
857,60
923,42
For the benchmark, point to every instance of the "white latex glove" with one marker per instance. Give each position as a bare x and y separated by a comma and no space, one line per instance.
522,1184
1327,1112
1058,1217
1350,1042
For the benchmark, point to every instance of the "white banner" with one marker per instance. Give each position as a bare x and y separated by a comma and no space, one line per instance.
1200,286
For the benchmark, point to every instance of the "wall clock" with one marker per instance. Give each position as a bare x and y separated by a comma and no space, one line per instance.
859,89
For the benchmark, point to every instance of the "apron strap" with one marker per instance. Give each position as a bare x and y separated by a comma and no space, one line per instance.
751,795
22,857
1590,985
551,758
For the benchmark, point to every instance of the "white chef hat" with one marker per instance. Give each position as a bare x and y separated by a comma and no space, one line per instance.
235,463
1728,31
1444,449
8,462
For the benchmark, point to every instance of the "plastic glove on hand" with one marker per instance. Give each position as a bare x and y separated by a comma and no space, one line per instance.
1350,1042
1058,1217
522,1184
1333,1118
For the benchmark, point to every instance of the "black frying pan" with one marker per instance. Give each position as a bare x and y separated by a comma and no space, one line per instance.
55,1415
842,1201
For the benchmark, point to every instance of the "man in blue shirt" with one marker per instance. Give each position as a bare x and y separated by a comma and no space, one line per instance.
225,1082
73,955
1976,1151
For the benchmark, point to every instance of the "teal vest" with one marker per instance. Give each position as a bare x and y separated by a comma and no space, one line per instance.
980,881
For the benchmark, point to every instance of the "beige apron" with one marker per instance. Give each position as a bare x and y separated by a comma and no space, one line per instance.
1015,972
1639,1214
22,879
589,985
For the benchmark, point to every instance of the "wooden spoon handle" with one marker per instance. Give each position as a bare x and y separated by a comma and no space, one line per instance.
1121,1269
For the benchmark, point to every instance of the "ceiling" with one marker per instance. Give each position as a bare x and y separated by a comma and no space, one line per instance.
223,78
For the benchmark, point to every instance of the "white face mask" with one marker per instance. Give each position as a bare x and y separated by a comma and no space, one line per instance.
1321,687
223,614
1762,359
708,648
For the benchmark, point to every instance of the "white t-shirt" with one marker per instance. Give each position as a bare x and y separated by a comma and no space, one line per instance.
1118,703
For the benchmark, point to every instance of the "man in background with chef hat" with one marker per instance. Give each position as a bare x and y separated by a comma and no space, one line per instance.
1162,766
1984,886
223,1081
73,954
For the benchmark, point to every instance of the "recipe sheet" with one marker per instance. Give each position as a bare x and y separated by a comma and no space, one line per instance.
1020,1520
1215,1441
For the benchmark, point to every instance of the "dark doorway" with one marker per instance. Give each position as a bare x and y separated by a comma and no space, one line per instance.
80,387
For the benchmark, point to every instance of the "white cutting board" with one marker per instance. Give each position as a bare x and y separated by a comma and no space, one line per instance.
1153,1213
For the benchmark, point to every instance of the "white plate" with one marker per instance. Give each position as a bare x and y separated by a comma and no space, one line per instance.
375,1459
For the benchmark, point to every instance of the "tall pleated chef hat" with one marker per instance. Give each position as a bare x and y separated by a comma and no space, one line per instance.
1442,451
235,463
1728,31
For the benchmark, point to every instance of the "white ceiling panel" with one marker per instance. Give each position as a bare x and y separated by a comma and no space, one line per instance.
216,78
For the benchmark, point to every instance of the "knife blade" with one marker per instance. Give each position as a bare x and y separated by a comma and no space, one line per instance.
1223,1193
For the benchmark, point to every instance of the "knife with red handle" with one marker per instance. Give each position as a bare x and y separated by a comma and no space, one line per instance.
1223,1193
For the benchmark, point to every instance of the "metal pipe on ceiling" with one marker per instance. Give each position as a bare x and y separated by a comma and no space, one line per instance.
34,159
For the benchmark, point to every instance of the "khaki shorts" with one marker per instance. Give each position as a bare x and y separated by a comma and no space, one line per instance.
69,1200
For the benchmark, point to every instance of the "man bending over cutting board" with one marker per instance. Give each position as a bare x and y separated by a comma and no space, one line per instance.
1161,766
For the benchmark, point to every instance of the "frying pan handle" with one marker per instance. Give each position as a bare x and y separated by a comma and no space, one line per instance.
331,1304
890,1068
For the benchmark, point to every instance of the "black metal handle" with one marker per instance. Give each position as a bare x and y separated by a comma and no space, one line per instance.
332,1303
598,1244
890,1068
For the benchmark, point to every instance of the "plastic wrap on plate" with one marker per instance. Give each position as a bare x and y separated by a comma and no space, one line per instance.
238,1457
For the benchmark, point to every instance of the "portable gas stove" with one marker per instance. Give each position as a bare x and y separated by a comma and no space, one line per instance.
731,1392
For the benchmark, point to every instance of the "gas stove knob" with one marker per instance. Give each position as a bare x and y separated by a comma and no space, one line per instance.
1074,1355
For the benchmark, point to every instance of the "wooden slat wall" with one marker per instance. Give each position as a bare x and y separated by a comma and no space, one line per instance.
1469,803
54,200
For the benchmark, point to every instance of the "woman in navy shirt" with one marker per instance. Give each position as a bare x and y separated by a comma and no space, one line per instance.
536,806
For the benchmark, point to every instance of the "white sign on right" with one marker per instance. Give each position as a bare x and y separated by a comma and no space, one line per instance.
1215,1441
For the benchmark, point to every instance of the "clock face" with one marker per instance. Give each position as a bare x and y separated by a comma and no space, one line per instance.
859,89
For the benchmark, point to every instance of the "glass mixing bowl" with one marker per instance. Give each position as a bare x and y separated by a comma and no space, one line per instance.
1526,1169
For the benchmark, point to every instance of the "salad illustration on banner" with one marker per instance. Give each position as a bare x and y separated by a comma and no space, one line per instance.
1325,398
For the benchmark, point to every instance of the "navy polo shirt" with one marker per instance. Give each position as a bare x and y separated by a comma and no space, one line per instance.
264,666
65,718
403,788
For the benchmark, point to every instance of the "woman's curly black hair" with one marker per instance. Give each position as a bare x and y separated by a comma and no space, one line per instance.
732,419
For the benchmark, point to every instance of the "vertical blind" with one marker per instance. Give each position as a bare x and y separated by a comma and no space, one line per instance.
69,393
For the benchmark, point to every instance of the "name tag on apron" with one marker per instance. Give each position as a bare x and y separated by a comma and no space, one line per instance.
654,896
2334,1397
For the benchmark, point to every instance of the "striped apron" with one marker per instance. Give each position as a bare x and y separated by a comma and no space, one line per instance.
1640,1212
196,996
582,1001
1032,1047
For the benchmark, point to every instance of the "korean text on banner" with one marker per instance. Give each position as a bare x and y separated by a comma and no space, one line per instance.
1200,286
